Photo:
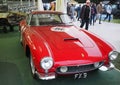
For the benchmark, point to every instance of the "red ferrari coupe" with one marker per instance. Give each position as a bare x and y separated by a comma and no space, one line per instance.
57,47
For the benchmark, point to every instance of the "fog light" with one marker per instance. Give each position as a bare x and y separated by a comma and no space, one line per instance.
96,65
63,69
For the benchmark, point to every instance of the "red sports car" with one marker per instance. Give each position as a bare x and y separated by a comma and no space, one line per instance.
57,47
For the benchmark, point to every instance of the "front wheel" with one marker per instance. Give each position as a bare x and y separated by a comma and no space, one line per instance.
21,39
33,70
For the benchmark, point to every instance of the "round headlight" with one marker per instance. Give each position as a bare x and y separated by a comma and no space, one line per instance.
113,55
46,63
63,69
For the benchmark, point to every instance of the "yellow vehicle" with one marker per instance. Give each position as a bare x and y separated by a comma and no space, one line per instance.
3,18
9,19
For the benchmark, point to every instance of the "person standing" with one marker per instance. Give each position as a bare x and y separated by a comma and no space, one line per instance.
68,9
52,6
93,13
99,11
109,11
118,5
78,9
85,14
72,12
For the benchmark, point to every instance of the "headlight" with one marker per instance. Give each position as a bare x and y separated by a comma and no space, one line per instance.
113,55
46,63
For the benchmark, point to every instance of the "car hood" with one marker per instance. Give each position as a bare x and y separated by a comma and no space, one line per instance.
68,43
65,37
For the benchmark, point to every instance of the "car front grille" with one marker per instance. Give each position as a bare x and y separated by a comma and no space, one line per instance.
78,69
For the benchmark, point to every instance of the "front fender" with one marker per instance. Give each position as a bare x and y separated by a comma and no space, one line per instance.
38,49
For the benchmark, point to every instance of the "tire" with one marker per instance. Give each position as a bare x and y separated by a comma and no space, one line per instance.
21,39
5,29
11,28
33,70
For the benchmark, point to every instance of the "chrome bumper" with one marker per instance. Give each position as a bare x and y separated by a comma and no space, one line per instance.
47,76
106,68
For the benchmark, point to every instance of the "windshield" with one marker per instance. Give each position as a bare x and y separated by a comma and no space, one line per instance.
49,19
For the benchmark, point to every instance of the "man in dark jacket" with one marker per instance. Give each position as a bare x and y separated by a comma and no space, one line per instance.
85,14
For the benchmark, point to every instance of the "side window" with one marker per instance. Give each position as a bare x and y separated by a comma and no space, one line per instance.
34,20
28,18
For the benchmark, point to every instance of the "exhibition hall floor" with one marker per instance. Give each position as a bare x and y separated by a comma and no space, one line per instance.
15,69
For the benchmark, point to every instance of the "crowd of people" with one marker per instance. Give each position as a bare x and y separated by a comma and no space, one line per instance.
88,13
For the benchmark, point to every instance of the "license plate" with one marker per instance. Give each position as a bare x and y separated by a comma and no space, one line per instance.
80,75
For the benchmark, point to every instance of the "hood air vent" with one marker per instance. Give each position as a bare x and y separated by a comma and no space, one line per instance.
71,39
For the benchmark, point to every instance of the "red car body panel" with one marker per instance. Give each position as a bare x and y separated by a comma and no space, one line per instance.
66,44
